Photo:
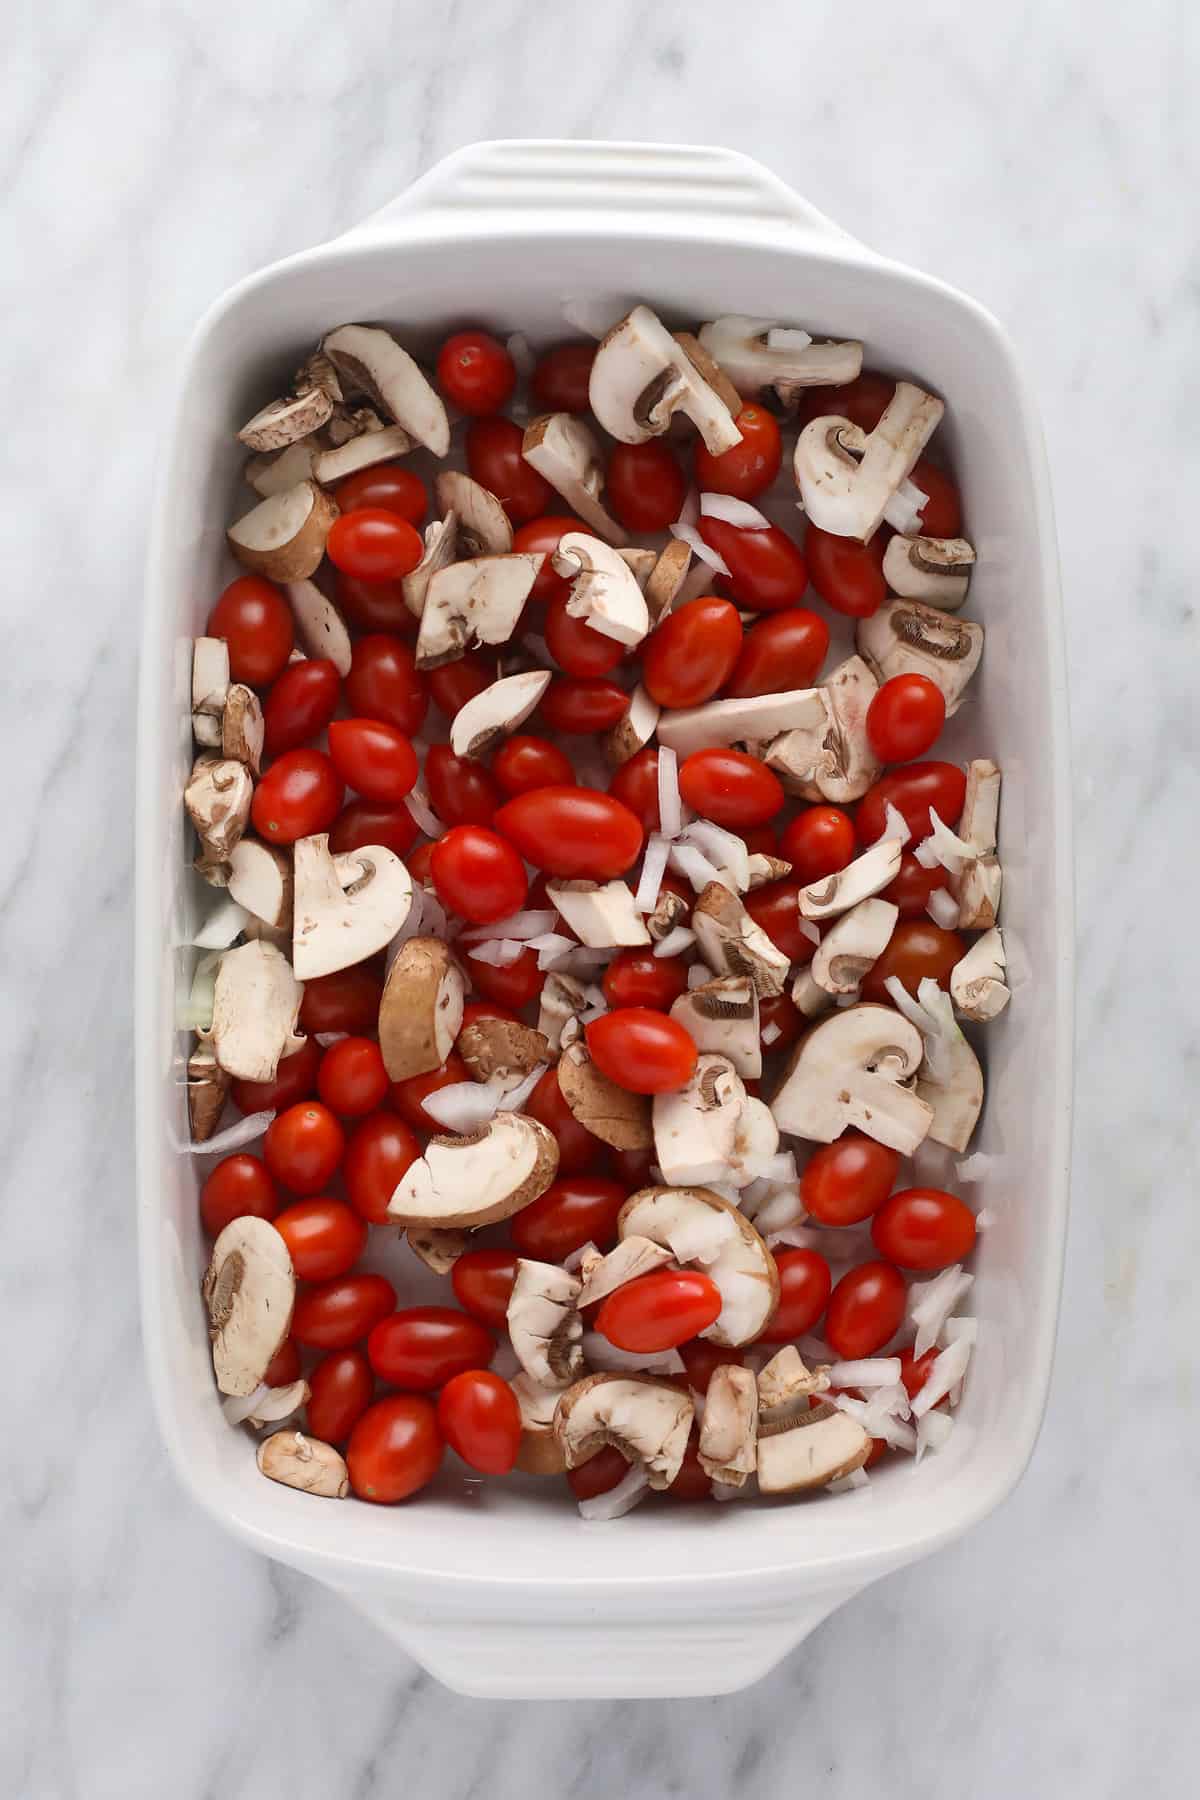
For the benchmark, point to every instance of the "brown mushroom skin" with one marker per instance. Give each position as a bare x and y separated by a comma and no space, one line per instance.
419,988
749,1234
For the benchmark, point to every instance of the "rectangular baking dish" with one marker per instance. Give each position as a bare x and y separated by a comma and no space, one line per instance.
506,1592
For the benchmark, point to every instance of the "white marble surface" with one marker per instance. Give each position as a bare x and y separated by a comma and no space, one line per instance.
1044,158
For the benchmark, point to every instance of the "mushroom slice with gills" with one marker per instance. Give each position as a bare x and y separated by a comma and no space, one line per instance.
562,998
633,1256
210,676
248,1288
729,1428
976,886
364,450
634,729
565,453
282,469
753,720
699,1227
798,755
666,579
544,1323
260,879
846,1071
492,715
808,1448
284,536
242,728
474,602
847,766
441,549
217,799
316,371
284,422
611,1113
641,377
670,910
707,366
649,1421
786,1379
345,908
722,1016
847,476
371,362
207,1088
479,1178
306,1463
484,528
905,637
604,593
540,1452
421,1011
935,570
256,1003
977,984
641,563
732,944
850,946
808,996
601,914
761,869
502,1048
949,1079
320,627
712,1130
867,875
439,1250
742,346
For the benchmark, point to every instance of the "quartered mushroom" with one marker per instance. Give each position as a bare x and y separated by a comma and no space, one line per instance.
808,996
848,476
477,1179
641,377
698,1226
210,688
540,1452
217,799
949,1079
375,444
761,718
604,590
647,1420
497,712
207,1087
786,1379
847,766
242,728
441,549
712,1130
633,1256
437,1248
345,908
474,602
634,728
256,1004
484,528
609,1112
306,1463
502,1050
850,946
284,536
729,1429
761,353
566,454
935,570
248,1288
260,879
599,913
544,1325
279,470
706,365
371,362
641,562
808,1448
284,422
562,998
906,637
868,874
421,1011
670,911
761,869
722,1016
977,884
846,1071
666,579
977,984
732,944
320,627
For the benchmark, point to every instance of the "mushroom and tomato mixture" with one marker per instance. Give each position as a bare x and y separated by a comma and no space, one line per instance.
586,921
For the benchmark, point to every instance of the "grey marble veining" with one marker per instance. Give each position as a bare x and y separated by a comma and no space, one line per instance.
1045,159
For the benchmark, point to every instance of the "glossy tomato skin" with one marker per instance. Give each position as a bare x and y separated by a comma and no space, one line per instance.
451,686
578,1148
913,886
865,1309
407,1096
692,654
848,1180
863,401
418,863
240,1186
643,1051
374,544
572,832
256,622
659,1311
818,842
303,1147
478,874
693,1482
494,458
421,1347
523,763
295,1079
923,1228
574,645
748,469
373,758
474,1010
352,1080
543,534
702,1358
347,1000
730,787
766,569
284,1366
914,1370
599,1474
582,705
645,486
776,907
378,1155
785,650
917,948
476,373
333,1315
479,1418
639,978
632,1169
461,791
847,575
560,379
384,683
635,785
941,515
905,718
341,1387
804,1288
302,700
516,984
362,823
298,796
387,485
395,1449
373,605
483,1282
912,791
778,1010
324,1238
573,1211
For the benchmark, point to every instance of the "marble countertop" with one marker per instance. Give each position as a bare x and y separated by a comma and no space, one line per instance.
151,156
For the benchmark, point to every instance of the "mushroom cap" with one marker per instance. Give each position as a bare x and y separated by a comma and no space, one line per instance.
722,1016
484,528
217,798
564,451
868,874
207,1087
210,675
496,712
562,998
740,344
364,450
283,537
248,1288
256,1003
847,766
699,1226
474,1180
305,1463
845,1072
809,1449
346,907
604,591
906,637
421,1011
949,1080
242,727
371,362
729,1428
609,1112
936,570
847,476
284,422
647,1420
544,1325
438,1249
540,1452
601,914
501,1047
631,1257
666,578
281,469
441,549
977,980
852,944
260,879
634,729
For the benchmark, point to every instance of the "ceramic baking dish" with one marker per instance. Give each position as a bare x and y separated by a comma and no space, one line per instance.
502,1590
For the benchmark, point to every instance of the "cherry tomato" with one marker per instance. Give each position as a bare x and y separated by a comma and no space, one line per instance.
863,401
478,875
543,534
847,575
476,373
479,1418
693,1482
295,1079
394,1449
347,1000
341,1387
583,706
560,380
693,652
905,718
418,861
702,1358
300,704
941,515
421,1347
783,651
378,1155
483,1009
848,1180
917,948
818,842
373,605
913,886
284,1366
461,791
383,683
238,1187
760,840
635,785
776,907
373,544
599,1474
645,487
256,622
335,1314
914,1370
494,459
643,1051
766,569
522,764
778,1010
804,1285
373,758
324,1237
573,1211
362,823
574,645
578,1148
660,1310
352,1080
912,791
300,795
303,1147
483,1282
639,978
407,1096
730,787
632,1169
923,1228
865,1309
451,686
572,832
516,984
387,485
748,469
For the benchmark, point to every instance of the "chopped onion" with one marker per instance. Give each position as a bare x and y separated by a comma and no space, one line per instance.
574,1261
895,827
857,1481
498,953
670,803
232,1138
522,925
676,942
654,865
930,1304
600,1354
632,1487
932,1431
240,1407
688,534
516,1098
770,1034
195,1013
942,908
985,1218
944,846
550,946
279,1403
866,1372
464,1105
694,865
689,512
836,1243
696,1238
325,1038
426,820
422,900
726,851
223,924
781,1167
903,510
732,512
956,1331
787,337
894,1431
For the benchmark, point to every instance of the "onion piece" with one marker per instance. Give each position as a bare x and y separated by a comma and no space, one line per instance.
464,1105
240,1407
426,820
195,1013
524,925
698,973
932,1431
770,1034
810,930
670,802
895,827
654,866
788,337
689,512
688,534
515,1099
930,1304
866,1372
942,908
944,846
226,921
233,1137
677,940
856,1482
498,953
694,866
574,1260
947,1370
733,512
551,948
632,1487
325,1038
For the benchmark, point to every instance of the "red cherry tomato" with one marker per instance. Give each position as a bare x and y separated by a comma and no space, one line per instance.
693,1482
352,1080
818,842
865,1309
730,787
451,686
573,832
347,1000
702,1358
848,1180
645,487
461,791
379,1153
524,763
766,569
543,534
483,1009
476,373
494,459
479,1418
295,1079
941,515
783,651
373,758
923,1228
300,795
847,575
916,948
284,1366
693,652
478,874
300,704
748,469
905,718
516,984
387,485
483,1282
778,1010
324,1237
362,823
804,1285
659,1311
373,544
776,907
238,1187
635,785
574,645
560,380
632,1169
582,706
643,1051
913,886
408,1096
912,791
383,683
639,978
863,401
394,1449
418,861
760,840
373,605
421,1347
914,1370
598,1475
578,1148
256,622
341,1387
573,1211
303,1147
335,1314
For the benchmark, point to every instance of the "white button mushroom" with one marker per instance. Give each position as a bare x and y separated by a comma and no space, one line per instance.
371,362
345,908
647,1420
906,637
248,1288
641,377
846,1072
847,476
478,1179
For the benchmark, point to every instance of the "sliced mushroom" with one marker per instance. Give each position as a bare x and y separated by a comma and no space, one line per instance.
809,1448
320,627
700,1227
641,563
600,914
349,423
786,1379
797,755
421,1011
852,944
666,579
540,1452
761,869
670,910
762,717
562,998
743,347
604,592
706,365
722,1016
362,451
305,1463
260,879
492,715
473,602
248,1288
868,874
484,528
345,908
282,469
808,996
846,1072
609,1112
847,766
477,1179
284,536
907,638
712,1130
544,1323
847,476
256,1003
242,728
936,570
316,371
949,1080
633,1256
207,731
207,1088
371,362
977,984
977,883
732,944
565,453
502,1048
284,422
210,676
438,1249
634,729
647,1420
729,1428
217,798
641,377
441,548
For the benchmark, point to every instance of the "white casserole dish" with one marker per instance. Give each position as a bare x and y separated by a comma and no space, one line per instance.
504,1591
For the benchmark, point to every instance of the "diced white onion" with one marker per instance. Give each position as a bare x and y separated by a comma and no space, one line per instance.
498,953
424,817
956,1331
574,1261
463,1106
670,803
688,534
732,512
598,1353
654,866
948,1368
676,942
279,1403
866,1372
985,1218
903,510
930,1304
523,925
857,1481
694,866
515,1100
632,1487
770,1034
942,908
779,1167
550,946
944,846
240,1407
223,924
894,1431
689,512
195,1013
932,1431
787,337
232,1138
726,851
895,826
